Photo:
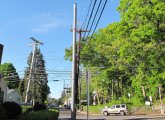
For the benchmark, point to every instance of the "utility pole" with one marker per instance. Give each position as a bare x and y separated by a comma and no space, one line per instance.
87,77
67,91
75,64
73,108
77,96
35,44
78,99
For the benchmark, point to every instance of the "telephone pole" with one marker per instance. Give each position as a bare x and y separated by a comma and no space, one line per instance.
35,44
73,108
77,61
78,83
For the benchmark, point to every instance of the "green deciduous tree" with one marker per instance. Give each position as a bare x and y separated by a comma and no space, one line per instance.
10,75
129,54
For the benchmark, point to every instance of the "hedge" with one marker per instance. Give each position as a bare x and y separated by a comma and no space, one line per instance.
42,115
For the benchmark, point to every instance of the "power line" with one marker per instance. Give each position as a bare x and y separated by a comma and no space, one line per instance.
90,15
95,16
100,16
82,27
99,11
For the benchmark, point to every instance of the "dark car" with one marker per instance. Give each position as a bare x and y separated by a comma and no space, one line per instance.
53,106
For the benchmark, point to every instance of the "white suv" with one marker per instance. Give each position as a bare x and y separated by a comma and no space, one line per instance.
115,109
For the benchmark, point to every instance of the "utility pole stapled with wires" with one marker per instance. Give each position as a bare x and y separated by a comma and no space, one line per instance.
35,44
77,61
80,31
75,64
76,57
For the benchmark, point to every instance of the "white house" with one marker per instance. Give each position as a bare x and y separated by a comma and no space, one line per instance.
13,95
9,94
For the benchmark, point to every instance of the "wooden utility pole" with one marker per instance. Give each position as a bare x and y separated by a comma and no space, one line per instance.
77,62
78,83
75,71
35,44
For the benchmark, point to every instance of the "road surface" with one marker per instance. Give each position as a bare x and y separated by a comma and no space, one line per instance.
65,114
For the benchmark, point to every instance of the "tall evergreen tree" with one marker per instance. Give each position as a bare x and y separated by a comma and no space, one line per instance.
38,87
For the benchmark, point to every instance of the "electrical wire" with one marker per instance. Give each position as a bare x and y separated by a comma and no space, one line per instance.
90,16
95,16
99,17
82,27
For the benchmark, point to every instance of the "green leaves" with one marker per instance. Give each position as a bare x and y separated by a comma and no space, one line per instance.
130,51
39,88
10,75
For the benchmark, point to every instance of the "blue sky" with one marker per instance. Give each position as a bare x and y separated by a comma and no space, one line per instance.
50,22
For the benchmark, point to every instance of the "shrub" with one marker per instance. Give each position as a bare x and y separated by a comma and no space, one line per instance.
26,109
12,109
94,109
54,110
38,107
42,115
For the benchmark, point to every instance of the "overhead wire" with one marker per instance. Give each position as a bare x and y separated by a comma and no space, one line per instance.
95,16
99,17
98,13
82,27
90,16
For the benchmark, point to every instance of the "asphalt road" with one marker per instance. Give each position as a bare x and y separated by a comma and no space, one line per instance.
65,114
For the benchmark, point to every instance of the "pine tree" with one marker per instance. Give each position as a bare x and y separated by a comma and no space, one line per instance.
38,87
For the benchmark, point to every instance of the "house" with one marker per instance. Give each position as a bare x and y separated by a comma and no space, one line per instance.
13,95
7,94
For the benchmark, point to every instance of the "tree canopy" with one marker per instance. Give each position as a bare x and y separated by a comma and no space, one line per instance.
10,75
129,54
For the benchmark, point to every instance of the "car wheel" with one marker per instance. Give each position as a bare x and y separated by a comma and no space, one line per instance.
105,113
122,113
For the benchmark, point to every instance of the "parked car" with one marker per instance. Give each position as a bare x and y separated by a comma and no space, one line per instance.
116,109
53,106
